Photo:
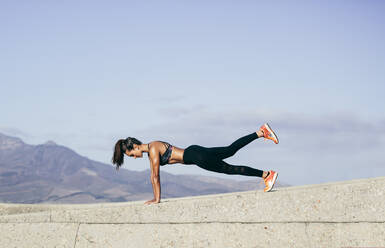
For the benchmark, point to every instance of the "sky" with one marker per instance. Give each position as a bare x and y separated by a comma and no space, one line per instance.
87,73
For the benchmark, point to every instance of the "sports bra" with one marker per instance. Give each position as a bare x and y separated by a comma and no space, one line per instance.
163,160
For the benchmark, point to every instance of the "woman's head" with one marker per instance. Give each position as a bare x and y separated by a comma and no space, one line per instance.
127,146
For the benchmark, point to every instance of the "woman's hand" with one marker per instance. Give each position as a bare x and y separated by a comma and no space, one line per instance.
153,201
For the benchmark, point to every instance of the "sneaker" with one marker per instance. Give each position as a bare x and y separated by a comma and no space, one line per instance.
268,133
270,180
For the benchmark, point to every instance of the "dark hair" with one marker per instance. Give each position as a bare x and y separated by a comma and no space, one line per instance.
120,148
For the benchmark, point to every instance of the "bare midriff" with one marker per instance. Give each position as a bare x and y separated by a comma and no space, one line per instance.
176,155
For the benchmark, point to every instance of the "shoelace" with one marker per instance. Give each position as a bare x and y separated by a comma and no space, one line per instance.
264,135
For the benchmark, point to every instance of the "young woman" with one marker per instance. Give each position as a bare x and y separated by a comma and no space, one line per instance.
161,153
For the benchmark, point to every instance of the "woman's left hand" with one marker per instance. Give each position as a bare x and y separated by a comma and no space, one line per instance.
153,201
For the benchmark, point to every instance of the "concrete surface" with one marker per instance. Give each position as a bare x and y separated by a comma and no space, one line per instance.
341,214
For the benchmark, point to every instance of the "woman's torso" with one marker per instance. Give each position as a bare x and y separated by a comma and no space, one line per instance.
175,156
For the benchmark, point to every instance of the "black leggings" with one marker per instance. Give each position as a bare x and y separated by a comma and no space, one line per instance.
212,158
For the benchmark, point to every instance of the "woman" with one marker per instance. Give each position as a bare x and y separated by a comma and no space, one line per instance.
161,153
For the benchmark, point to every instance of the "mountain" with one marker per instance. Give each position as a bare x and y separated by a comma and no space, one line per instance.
50,173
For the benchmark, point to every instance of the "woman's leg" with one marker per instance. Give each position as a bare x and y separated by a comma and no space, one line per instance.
228,151
212,164
201,157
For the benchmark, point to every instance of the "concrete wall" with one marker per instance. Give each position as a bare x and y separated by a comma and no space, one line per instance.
342,214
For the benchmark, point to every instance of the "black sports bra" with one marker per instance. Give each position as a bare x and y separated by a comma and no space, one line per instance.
166,155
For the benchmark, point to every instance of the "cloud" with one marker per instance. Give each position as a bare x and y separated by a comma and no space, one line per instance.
179,111
15,132
334,132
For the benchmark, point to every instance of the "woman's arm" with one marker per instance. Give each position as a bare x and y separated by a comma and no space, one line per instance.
155,177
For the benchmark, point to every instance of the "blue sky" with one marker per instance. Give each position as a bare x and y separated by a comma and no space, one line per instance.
86,73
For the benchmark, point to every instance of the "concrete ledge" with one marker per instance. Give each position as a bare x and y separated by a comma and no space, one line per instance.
232,235
38,235
342,214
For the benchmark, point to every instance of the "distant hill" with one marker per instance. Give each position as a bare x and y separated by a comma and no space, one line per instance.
50,173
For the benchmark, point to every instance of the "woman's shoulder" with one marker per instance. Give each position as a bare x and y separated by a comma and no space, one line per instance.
156,145
155,149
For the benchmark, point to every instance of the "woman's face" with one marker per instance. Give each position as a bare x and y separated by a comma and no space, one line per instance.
135,152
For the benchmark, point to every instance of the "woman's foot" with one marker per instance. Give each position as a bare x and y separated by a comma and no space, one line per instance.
268,133
270,180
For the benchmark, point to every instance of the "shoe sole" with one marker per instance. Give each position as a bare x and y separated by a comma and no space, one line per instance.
274,179
271,131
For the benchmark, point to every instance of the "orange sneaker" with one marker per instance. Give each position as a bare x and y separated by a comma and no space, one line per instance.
270,180
268,133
